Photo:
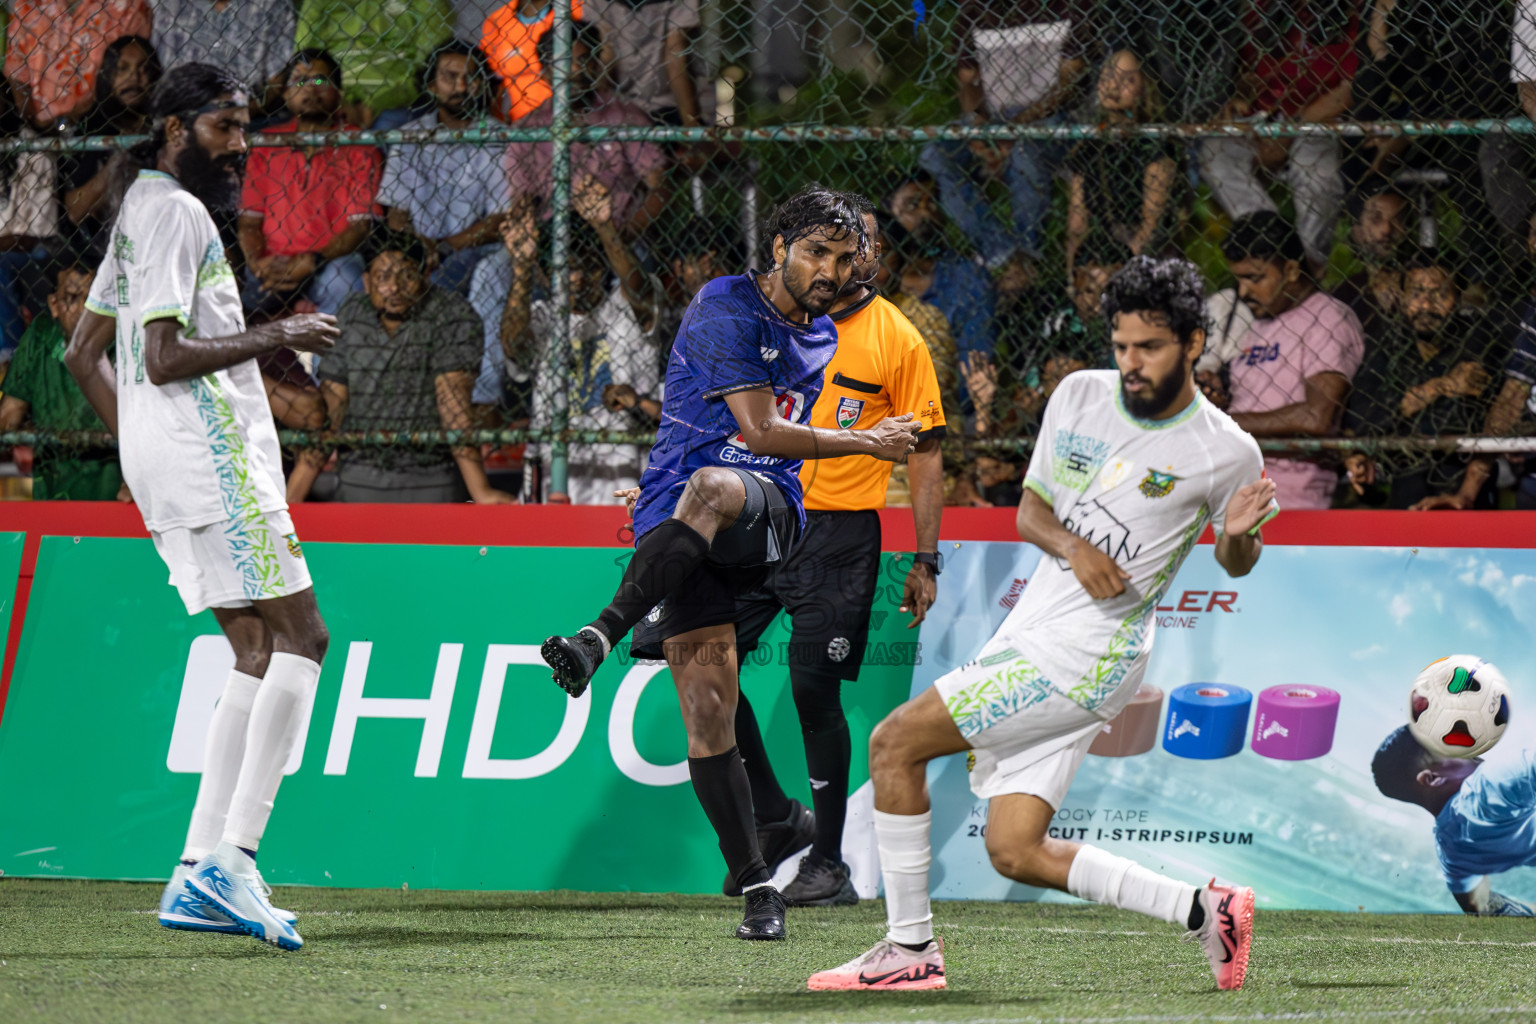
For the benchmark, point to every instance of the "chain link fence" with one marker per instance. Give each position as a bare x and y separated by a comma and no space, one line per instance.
509,206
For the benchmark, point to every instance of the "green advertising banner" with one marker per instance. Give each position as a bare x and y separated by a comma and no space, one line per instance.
438,755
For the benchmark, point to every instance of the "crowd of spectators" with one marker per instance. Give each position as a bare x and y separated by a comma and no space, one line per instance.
1362,286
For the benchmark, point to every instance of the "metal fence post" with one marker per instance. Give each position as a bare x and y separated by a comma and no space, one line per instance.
558,359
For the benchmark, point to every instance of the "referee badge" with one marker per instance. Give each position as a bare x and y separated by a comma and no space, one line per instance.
848,411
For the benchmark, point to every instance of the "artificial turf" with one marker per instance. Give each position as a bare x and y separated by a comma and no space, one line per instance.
92,951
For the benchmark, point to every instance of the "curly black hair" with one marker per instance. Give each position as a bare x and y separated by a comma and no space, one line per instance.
1397,764
818,209
1171,291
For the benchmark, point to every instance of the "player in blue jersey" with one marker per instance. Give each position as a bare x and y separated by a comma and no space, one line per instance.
720,503
1485,815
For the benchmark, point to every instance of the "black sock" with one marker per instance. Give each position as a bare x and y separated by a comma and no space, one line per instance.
662,561
769,802
1196,913
189,862
828,751
720,782
249,853
914,947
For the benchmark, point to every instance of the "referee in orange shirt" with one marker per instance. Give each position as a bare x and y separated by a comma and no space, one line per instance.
882,368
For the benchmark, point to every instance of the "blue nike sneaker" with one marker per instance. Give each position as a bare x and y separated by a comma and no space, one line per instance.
191,911
228,879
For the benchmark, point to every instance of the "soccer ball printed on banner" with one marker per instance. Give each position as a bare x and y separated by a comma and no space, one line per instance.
1459,706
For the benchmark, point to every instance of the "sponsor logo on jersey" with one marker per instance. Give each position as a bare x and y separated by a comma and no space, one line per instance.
1158,485
848,411
1260,354
1076,458
1015,591
1114,473
768,354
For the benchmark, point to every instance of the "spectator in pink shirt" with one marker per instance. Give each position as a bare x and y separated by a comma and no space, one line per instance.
1292,376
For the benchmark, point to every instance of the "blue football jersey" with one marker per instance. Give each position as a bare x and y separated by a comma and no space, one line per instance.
731,339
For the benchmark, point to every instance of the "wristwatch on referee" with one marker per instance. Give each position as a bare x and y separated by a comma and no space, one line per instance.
933,559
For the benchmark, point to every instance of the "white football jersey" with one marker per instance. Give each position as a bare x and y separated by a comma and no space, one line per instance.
197,451
1142,491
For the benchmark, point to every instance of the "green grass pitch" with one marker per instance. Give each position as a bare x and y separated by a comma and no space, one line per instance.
92,951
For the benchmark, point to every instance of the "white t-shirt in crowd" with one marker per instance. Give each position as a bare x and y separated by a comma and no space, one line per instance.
199,451
607,346
1140,490
1522,51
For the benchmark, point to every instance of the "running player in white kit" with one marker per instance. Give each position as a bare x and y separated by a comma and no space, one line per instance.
199,452
1127,470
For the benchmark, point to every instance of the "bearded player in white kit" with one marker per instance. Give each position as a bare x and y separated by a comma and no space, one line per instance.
199,451
1127,470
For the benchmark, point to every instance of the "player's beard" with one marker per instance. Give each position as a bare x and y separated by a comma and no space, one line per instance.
214,181
812,298
1154,405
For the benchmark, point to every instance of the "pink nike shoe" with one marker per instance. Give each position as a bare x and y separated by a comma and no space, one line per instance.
887,966
1227,932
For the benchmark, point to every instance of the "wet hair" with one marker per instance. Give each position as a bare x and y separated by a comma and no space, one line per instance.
817,209
1171,290
584,32
1264,235
479,63
113,55
183,91
1397,764
383,239
309,55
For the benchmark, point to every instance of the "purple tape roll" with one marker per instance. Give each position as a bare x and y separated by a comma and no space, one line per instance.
1295,723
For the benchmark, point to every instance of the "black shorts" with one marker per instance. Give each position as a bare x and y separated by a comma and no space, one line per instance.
828,586
739,562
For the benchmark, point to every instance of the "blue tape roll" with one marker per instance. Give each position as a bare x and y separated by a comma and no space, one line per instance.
1206,721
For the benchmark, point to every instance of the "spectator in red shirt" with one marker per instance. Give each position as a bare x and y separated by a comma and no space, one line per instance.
304,211
1303,61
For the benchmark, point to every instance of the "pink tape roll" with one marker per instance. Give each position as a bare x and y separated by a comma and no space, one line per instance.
1295,723
1134,730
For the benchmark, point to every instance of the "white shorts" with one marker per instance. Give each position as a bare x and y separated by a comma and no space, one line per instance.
1026,736
232,563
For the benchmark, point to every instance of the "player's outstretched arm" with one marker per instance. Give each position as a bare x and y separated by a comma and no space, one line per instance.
767,433
170,357
86,358
1240,544
1099,574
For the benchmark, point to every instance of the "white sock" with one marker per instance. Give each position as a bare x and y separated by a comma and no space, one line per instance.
223,750
285,694
904,859
1100,876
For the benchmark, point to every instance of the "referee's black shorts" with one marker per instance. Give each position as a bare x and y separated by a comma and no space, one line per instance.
739,562
828,586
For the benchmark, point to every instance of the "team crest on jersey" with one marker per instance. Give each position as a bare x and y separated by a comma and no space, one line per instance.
293,545
1158,485
848,411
